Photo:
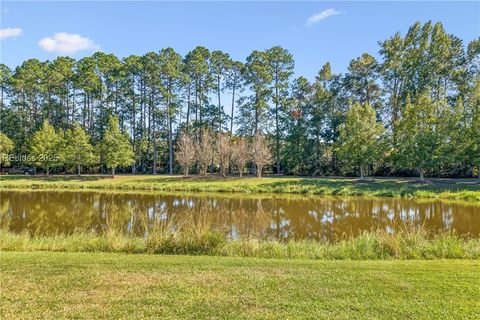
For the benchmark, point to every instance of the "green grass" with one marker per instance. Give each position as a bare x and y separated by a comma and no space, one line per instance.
46,285
375,245
461,189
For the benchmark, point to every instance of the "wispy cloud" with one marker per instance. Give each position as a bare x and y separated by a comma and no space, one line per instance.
67,43
10,33
320,16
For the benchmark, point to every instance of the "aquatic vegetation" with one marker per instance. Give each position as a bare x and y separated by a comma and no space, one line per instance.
413,243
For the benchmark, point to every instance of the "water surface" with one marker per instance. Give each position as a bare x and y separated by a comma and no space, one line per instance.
239,216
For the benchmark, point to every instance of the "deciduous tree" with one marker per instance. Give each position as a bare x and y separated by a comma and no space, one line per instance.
204,150
45,147
186,152
6,146
78,151
241,154
360,137
260,153
223,151
115,147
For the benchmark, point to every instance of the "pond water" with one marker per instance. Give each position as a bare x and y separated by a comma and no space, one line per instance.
239,216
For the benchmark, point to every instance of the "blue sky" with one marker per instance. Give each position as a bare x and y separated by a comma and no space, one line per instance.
337,32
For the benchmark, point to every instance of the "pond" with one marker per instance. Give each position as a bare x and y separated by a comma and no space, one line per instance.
239,215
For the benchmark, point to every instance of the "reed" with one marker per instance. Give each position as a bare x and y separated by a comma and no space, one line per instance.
408,244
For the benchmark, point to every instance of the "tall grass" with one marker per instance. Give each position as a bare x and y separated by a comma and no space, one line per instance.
412,243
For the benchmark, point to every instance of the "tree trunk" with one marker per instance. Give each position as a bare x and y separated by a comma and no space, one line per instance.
196,100
241,172
155,151
170,137
113,172
133,124
256,112
170,146
219,104
200,103
277,133
361,172
259,171
223,171
422,178
233,106
154,156
78,169
188,105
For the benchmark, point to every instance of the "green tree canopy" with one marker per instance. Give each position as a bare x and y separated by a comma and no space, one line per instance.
78,150
418,140
115,147
45,148
6,146
360,137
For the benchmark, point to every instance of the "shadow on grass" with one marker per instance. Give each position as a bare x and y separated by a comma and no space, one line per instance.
379,184
55,178
270,183
186,179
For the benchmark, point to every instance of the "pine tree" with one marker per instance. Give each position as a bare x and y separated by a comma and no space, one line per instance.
281,65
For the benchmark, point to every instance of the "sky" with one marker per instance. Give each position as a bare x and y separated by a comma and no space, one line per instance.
315,32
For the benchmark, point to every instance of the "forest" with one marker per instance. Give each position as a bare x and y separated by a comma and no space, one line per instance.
413,111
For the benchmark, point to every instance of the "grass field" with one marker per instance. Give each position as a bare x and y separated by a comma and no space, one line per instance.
45,285
464,189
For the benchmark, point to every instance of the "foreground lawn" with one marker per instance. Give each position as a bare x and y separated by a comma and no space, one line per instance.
46,285
466,189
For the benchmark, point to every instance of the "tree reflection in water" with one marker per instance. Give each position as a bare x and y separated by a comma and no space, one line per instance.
238,216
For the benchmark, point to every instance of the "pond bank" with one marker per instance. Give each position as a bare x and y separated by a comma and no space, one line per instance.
460,189
376,245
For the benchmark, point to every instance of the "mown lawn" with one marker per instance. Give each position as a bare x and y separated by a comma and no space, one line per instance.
46,285
465,189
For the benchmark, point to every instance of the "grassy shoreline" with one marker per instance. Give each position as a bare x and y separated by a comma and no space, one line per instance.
46,285
410,244
454,189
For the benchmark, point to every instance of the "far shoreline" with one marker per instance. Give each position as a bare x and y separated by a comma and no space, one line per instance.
405,187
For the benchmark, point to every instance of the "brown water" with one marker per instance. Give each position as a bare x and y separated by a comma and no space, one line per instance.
239,216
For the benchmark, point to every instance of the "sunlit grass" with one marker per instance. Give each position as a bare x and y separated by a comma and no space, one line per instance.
461,189
49,285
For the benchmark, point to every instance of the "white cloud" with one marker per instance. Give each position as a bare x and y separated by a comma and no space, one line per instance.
10,33
321,15
63,42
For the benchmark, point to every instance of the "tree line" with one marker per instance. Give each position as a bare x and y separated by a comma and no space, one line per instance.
416,110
